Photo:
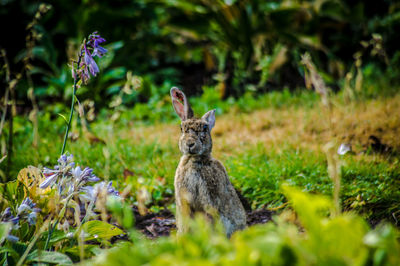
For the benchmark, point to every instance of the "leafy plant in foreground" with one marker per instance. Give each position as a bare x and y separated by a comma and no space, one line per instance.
26,212
316,237
71,197
66,191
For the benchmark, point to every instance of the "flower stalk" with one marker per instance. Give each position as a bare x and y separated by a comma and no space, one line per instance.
72,107
85,68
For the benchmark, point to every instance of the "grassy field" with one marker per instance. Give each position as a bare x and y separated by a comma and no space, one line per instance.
263,143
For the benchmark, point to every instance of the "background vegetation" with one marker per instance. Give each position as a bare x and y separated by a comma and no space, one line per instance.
273,132
238,45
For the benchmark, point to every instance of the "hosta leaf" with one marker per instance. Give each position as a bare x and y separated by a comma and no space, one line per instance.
31,177
100,230
4,230
48,257
89,250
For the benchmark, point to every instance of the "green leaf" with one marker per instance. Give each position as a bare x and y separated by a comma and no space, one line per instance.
121,211
8,255
49,257
312,209
4,229
100,230
113,74
63,116
19,247
3,158
56,236
106,61
8,250
89,250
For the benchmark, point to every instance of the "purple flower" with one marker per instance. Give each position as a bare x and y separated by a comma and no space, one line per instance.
90,63
65,160
82,177
26,205
7,216
49,181
70,180
111,190
28,211
87,194
83,73
94,40
90,193
99,51
32,218
65,164
89,50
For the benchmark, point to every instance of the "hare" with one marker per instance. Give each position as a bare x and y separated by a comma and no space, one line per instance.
201,182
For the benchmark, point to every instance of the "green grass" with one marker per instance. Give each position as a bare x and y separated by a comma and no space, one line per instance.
266,143
369,185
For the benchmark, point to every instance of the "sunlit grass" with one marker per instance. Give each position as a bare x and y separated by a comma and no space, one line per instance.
261,149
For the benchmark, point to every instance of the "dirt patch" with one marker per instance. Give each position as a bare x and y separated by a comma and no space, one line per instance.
154,225
261,216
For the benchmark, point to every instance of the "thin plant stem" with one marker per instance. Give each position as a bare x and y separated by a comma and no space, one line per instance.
12,110
8,79
35,111
30,41
51,229
3,116
12,113
72,109
10,143
333,161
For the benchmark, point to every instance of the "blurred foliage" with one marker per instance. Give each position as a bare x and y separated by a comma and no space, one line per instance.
238,46
314,238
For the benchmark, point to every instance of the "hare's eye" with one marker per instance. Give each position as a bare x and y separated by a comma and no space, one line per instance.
205,127
181,128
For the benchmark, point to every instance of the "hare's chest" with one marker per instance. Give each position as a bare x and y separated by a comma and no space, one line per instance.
197,183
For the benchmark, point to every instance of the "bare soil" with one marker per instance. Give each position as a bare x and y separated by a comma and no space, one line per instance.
154,225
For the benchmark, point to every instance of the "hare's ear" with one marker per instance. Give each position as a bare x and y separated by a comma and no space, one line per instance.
209,117
181,104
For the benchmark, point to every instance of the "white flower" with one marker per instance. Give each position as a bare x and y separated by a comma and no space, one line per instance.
344,148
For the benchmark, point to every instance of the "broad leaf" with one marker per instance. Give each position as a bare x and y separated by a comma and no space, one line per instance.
48,257
4,230
100,230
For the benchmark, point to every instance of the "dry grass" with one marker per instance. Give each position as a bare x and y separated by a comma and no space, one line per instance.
294,127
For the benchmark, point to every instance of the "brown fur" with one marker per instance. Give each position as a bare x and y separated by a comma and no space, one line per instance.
201,182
